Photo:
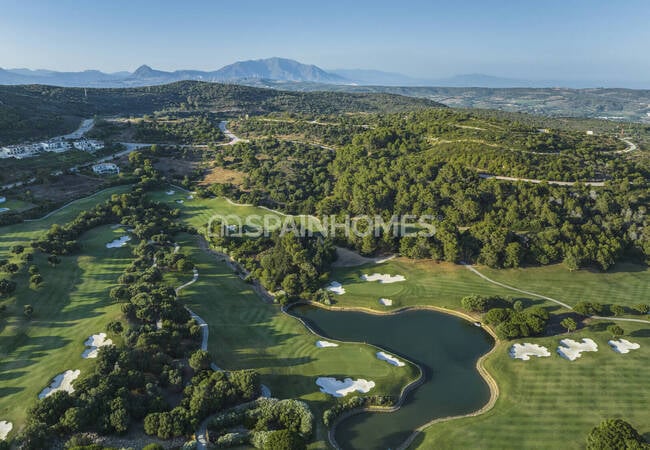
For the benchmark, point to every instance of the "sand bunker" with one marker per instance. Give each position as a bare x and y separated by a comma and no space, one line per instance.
61,382
324,344
383,278
117,243
190,197
385,302
525,351
336,287
3,210
171,192
572,350
337,388
5,428
390,359
623,346
180,201
94,342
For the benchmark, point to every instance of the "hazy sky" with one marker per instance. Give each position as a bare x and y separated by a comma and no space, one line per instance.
541,39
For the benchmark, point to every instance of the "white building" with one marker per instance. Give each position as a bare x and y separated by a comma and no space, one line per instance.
55,146
106,169
88,145
21,151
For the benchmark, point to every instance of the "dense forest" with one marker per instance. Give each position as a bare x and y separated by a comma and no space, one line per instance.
430,163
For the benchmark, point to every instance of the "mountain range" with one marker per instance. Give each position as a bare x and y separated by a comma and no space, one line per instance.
272,70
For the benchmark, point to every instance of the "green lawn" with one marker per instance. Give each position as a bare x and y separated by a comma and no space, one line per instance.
71,305
24,232
554,403
16,205
246,333
625,284
427,283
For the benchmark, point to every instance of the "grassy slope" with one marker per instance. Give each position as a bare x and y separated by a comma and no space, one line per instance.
71,305
248,333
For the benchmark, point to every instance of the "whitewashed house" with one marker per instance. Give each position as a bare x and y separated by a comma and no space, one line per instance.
55,146
106,169
88,145
21,151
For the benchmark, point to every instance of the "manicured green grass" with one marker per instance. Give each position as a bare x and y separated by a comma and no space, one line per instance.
625,284
71,305
15,205
246,333
427,283
552,402
24,232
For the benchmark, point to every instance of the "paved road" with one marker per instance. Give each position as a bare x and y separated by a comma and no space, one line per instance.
233,139
631,146
531,180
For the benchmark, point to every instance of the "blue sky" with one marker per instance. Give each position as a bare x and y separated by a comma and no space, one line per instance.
541,39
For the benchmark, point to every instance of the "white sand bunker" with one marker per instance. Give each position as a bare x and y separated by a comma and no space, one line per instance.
4,209
623,346
525,351
180,201
336,287
94,342
61,382
5,428
171,192
390,359
117,243
324,344
337,388
572,350
383,278
385,302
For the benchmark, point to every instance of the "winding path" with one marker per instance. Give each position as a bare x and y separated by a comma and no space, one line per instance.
558,302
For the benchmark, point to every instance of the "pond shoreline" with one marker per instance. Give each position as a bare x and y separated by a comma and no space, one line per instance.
490,381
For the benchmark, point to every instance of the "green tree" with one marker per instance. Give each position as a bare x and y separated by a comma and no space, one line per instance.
36,279
28,310
284,440
615,434
6,287
200,360
616,331
569,324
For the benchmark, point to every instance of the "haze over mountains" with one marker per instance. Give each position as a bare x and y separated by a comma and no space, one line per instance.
274,70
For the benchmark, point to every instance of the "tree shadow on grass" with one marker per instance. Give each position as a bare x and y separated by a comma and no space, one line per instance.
641,333
7,391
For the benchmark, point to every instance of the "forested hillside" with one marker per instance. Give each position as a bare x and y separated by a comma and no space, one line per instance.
435,163
32,112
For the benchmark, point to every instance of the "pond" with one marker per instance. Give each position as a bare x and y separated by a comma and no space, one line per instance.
446,347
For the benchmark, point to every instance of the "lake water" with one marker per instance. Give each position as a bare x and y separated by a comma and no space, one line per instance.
445,346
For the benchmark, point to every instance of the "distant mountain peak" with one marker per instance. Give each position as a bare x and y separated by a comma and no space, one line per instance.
277,68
